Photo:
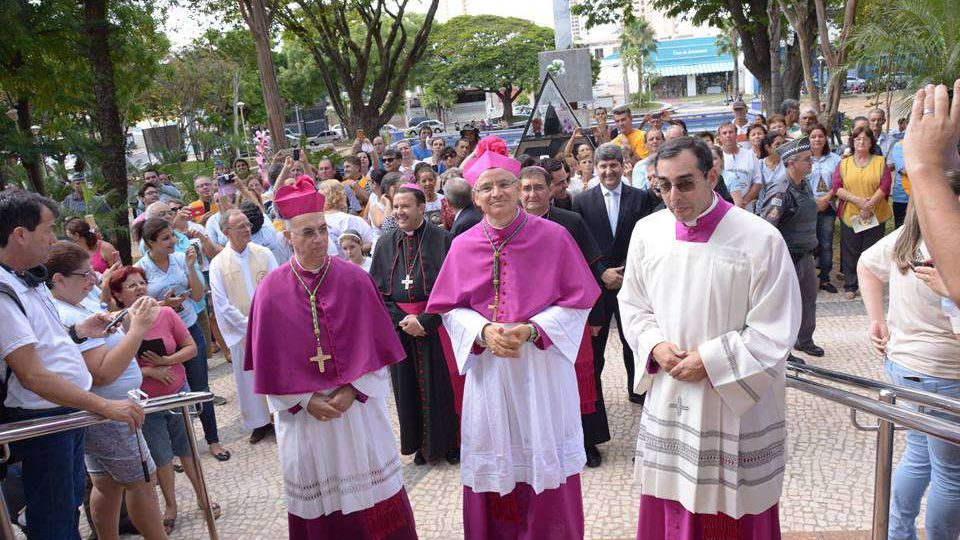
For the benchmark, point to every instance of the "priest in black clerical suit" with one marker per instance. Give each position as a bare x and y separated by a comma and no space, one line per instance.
535,198
405,265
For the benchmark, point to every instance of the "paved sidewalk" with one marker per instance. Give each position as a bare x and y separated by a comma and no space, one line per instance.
828,487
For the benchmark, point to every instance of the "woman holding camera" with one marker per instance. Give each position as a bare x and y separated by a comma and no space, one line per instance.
175,282
117,459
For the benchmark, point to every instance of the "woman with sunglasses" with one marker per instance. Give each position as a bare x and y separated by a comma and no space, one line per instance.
118,461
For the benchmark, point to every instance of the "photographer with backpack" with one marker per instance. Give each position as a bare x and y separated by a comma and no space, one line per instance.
45,374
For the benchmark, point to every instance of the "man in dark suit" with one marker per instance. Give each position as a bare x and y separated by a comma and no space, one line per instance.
610,210
535,198
458,194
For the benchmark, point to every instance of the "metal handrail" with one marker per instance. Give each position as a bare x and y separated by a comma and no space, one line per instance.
888,415
912,395
917,421
28,429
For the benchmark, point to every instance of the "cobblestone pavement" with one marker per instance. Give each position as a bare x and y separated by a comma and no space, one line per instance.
828,487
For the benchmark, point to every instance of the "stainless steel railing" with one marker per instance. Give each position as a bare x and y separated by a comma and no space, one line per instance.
888,414
29,429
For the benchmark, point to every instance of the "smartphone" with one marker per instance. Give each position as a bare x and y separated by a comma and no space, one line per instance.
116,320
917,264
227,184
296,154
152,345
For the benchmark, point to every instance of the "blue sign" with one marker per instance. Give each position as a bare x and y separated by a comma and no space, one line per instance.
687,51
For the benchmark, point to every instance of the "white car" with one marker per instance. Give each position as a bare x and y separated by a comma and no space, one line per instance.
435,125
323,138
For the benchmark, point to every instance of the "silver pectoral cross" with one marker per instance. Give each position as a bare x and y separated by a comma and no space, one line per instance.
679,406
407,282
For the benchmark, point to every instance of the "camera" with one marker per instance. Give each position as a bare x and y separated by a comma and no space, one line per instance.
226,179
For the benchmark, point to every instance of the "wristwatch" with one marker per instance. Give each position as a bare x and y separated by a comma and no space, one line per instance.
72,332
534,333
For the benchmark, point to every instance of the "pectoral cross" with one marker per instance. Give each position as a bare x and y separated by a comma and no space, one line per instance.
320,358
407,282
679,406
495,306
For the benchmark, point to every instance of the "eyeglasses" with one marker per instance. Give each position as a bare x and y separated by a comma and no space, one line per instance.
309,234
176,208
502,185
241,227
89,274
664,186
389,159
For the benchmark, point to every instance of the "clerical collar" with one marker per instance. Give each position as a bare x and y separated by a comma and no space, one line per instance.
300,266
706,223
705,212
413,232
241,252
508,225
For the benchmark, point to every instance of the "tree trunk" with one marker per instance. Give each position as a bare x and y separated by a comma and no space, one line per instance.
255,14
736,74
799,13
836,59
31,159
507,98
792,78
106,117
776,80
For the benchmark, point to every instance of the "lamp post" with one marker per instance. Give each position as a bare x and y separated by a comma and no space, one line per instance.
819,75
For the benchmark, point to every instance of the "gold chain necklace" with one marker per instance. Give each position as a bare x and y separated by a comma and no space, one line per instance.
320,357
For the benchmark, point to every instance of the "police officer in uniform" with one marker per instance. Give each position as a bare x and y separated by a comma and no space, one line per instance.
792,208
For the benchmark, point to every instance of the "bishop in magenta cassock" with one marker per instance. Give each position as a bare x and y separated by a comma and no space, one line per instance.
515,292
405,267
326,379
711,308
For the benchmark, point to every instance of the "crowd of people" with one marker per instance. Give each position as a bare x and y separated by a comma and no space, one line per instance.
417,271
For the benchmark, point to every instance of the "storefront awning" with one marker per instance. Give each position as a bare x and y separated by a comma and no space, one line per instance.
694,69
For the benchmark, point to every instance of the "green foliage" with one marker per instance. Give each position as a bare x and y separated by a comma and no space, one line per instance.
299,77
43,64
921,38
494,54
637,43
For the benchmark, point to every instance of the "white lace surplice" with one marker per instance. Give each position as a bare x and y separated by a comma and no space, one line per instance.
521,417
347,464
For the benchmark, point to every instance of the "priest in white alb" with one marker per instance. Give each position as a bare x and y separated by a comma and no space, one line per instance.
327,380
515,292
234,275
711,307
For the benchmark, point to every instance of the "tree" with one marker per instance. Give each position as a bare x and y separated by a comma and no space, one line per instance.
797,13
637,43
922,35
749,17
347,39
259,16
728,42
835,56
106,114
490,53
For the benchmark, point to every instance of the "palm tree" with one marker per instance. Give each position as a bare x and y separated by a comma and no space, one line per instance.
637,42
728,42
924,33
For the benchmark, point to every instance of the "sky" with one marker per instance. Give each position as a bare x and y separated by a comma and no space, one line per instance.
183,25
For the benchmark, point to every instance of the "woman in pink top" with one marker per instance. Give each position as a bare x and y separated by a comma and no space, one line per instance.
80,232
165,347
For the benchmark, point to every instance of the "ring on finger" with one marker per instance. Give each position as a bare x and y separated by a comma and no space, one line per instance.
927,111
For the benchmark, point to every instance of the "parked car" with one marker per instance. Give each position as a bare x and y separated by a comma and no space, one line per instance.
323,138
854,85
435,125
